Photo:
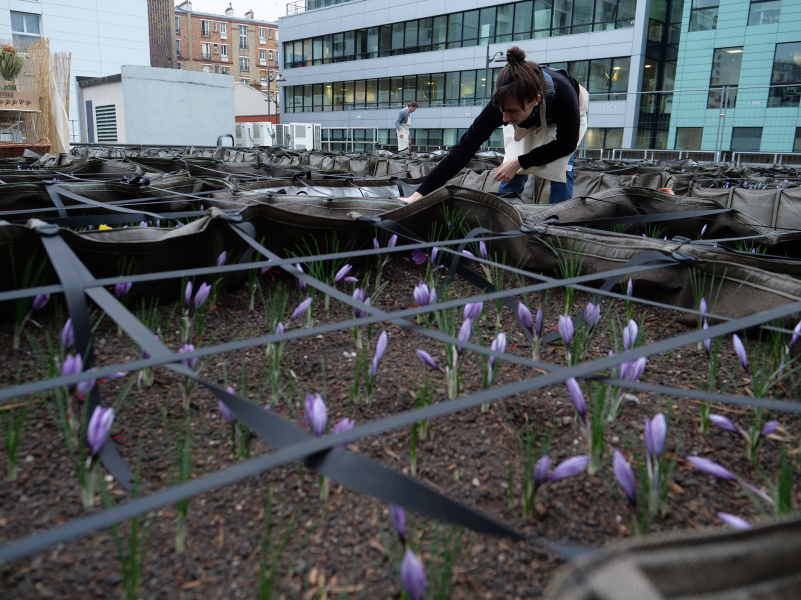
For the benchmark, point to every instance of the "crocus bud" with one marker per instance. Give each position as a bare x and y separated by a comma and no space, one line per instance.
189,362
630,335
344,425
376,244
99,428
577,397
122,288
302,308
413,576
566,329
84,387
482,247
203,293
473,310
711,468
497,345
796,333
68,335
380,349
464,334
541,471
655,436
770,427
707,341
739,349
733,521
342,273
316,414
723,423
538,323
625,477
226,412
73,364
398,517
221,258
629,288
427,360
188,294
569,468
422,296
392,241
524,316
279,329
592,314
39,302
702,307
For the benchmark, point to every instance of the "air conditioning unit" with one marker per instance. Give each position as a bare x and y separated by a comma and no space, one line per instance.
262,134
305,136
283,135
244,135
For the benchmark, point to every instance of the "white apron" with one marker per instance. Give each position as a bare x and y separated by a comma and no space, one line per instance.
517,141
403,142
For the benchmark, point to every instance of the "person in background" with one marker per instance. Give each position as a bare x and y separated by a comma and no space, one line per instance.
544,117
402,124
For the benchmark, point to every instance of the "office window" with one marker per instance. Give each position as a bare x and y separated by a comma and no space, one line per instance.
797,145
25,27
177,25
704,15
764,12
224,31
604,137
178,47
205,30
486,26
206,49
504,23
688,138
262,57
224,52
746,139
262,34
561,17
439,33
786,70
470,28
244,63
455,30
243,37
725,71
410,38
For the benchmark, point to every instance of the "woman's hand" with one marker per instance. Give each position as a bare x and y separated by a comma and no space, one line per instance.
507,170
413,198
400,135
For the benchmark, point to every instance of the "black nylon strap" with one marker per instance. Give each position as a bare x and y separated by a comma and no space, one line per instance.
58,191
54,197
649,218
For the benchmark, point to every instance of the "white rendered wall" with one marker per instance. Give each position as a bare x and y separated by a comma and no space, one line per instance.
102,35
103,95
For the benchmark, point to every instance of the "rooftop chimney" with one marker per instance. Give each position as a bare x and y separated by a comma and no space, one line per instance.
187,6
229,12
249,14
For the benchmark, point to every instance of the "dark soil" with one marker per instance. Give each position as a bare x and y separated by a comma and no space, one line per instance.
345,547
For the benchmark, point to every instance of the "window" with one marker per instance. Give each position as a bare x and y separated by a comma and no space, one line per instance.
725,71
177,25
797,145
764,12
688,138
206,48
271,54
604,137
244,63
224,31
215,49
178,47
276,35
786,69
244,80
205,30
224,52
25,28
215,26
262,57
704,15
207,68
271,33
225,70
243,37
746,139
262,34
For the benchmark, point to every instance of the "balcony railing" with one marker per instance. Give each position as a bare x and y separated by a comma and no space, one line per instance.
243,67
205,56
299,6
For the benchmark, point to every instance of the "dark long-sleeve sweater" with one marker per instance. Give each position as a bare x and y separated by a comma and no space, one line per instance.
562,110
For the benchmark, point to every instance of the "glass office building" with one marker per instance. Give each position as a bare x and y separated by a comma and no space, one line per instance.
353,65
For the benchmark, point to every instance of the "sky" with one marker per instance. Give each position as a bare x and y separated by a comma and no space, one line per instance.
266,10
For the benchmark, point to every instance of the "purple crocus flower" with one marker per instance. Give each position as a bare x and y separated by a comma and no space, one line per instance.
73,364
316,414
221,258
541,471
566,329
629,288
418,256
577,398
188,294
84,387
342,273
592,314
39,302
350,279
739,349
635,369
770,427
380,350
279,329
655,434
358,294
202,294
630,335
226,412
703,230
796,333
422,296
733,521
413,576
302,283
99,427
302,308
468,254
434,254
122,288
525,317
538,323
68,335
711,468
427,360
473,310
392,241
723,423
707,341
497,345
569,468
702,307
189,362
344,425
482,248
398,517
464,334
625,477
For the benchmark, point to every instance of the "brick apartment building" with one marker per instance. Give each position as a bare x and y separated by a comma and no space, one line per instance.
160,18
238,46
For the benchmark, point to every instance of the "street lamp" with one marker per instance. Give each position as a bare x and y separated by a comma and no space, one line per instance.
278,79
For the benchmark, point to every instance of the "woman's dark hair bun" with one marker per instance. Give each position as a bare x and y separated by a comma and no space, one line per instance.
515,56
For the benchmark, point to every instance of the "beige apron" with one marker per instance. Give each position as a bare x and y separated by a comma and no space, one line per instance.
517,141
403,142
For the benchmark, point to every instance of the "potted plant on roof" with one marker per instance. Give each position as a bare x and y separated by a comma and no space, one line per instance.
11,63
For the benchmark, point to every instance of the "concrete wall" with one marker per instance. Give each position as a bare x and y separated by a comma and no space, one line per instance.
696,52
173,106
101,34
103,95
